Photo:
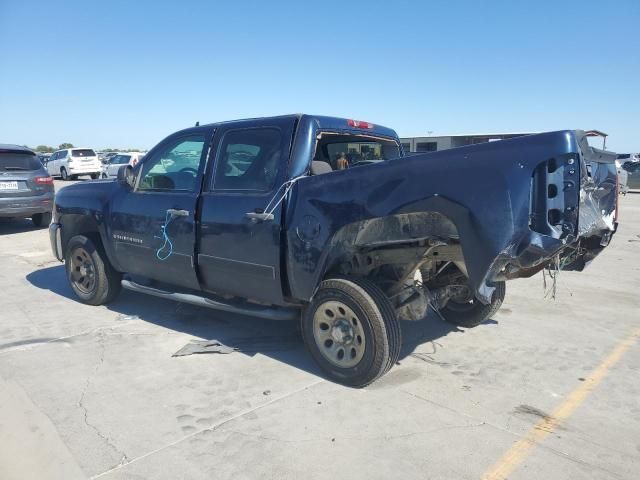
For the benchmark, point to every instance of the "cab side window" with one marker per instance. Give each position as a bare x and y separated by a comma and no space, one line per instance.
174,168
248,159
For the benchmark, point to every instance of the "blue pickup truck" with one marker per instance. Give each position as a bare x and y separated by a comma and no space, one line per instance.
328,221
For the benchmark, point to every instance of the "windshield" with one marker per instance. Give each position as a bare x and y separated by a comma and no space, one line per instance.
18,161
83,152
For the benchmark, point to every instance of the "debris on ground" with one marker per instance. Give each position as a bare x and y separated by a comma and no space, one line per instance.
203,346
264,343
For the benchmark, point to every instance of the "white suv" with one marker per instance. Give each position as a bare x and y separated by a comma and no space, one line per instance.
71,162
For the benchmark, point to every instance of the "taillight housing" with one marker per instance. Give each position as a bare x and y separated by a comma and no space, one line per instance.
360,124
43,180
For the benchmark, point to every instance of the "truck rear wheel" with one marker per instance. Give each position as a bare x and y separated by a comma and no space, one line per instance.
90,274
352,331
472,312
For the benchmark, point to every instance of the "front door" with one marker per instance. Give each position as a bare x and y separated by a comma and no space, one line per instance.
153,225
237,254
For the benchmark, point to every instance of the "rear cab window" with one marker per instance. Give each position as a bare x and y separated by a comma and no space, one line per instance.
345,150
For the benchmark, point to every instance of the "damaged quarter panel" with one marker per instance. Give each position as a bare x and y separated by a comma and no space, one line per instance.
512,205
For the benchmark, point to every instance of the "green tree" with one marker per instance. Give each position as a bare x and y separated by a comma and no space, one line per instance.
44,149
62,146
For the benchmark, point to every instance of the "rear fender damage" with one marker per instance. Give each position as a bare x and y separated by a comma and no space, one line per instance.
510,207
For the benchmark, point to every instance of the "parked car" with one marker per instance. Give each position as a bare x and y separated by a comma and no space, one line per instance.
26,188
113,164
44,158
628,157
633,174
250,217
623,178
105,156
69,163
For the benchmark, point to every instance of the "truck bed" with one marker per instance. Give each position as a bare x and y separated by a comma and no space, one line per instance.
512,206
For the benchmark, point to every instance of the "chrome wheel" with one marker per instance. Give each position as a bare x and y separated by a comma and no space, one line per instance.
83,271
338,334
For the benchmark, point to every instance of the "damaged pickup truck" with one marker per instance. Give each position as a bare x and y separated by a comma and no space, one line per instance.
325,219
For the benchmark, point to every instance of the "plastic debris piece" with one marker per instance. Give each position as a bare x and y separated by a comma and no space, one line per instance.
203,346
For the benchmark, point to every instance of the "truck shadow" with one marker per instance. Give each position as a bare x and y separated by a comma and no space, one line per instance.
9,226
279,340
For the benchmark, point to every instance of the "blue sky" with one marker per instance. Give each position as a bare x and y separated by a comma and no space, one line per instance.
126,74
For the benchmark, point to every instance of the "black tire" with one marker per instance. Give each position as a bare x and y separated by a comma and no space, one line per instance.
63,174
85,259
41,219
95,176
378,324
473,313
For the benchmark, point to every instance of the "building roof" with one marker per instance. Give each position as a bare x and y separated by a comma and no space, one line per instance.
486,135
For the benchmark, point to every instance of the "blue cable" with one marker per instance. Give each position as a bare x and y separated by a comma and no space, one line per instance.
168,244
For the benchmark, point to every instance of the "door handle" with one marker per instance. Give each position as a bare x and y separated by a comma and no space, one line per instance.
259,217
177,213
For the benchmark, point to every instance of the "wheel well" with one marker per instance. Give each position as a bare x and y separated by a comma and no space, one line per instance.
392,248
79,225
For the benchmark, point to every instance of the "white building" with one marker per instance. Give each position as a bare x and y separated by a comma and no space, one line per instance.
434,144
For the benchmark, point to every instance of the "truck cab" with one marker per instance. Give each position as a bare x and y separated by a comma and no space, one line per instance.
202,184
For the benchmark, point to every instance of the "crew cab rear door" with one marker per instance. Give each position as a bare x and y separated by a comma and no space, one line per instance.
153,225
237,254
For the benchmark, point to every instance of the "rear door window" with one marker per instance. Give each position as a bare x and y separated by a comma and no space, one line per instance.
248,159
10,162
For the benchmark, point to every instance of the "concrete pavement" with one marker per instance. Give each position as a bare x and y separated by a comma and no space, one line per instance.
93,392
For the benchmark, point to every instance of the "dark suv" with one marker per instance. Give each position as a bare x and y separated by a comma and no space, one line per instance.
26,188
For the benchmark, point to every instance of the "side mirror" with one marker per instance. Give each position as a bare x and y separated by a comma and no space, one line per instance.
125,175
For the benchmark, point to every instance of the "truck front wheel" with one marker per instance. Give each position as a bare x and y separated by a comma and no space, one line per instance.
472,312
90,274
352,331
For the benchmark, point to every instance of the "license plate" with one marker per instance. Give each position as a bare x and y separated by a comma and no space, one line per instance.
8,185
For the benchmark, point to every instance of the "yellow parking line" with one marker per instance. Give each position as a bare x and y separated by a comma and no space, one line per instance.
517,454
